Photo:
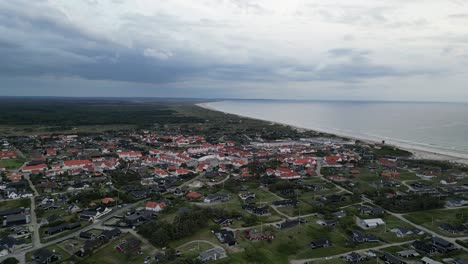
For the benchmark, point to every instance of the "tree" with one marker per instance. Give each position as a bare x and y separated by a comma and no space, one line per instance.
10,260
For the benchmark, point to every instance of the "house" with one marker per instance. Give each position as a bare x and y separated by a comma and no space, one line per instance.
73,208
360,237
212,254
110,234
456,202
130,155
404,231
216,197
424,247
247,195
10,243
62,227
371,223
155,206
253,209
75,164
290,223
223,221
8,154
87,235
139,194
426,260
453,229
353,257
16,219
193,195
286,202
92,215
389,258
442,245
11,211
34,168
130,245
20,231
410,253
371,210
320,243
107,200
340,214
45,256
459,260
225,237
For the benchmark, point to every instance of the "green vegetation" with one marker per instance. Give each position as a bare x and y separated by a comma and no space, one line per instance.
160,233
12,164
25,202
432,219
389,151
109,255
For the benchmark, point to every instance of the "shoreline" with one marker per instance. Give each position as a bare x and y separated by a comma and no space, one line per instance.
418,153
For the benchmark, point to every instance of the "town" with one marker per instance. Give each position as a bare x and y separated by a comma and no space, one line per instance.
181,194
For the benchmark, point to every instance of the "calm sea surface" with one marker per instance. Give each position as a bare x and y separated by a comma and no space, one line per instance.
438,127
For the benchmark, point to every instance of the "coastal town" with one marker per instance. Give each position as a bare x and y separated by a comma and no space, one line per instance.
179,194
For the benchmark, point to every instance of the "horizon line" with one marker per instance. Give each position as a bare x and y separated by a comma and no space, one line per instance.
224,99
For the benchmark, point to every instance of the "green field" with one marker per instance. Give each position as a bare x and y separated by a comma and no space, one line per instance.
432,219
12,164
25,202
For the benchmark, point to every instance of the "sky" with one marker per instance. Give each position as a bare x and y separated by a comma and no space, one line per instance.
297,49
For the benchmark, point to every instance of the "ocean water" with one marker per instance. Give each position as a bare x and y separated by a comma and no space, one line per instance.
436,127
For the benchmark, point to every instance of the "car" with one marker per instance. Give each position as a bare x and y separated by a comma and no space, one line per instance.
147,260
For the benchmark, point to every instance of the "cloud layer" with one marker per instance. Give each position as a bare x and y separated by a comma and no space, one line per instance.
366,49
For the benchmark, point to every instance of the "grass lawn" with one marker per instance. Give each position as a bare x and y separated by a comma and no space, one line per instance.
383,232
25,202
203,234
293,243
109,255
433,218
12,164
192,250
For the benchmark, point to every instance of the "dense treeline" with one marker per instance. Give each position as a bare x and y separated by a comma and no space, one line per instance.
78,112
186,223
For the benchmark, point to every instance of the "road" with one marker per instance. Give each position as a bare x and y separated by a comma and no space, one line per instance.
361,251
20,255
399,216
319,174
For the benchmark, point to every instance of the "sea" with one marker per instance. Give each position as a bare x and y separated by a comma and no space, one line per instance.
434,127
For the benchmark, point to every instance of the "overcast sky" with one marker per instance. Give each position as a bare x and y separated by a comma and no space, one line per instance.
295,49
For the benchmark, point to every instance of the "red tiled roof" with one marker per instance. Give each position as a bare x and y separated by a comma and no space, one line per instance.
193,195
151,204
71,163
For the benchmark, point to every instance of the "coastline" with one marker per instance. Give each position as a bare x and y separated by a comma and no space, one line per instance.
418,153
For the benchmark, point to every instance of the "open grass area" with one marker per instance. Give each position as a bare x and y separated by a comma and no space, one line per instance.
293,243
12,164
192,250
203,234
25,202
432,219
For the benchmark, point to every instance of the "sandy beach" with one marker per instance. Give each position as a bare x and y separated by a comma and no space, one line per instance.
418,153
